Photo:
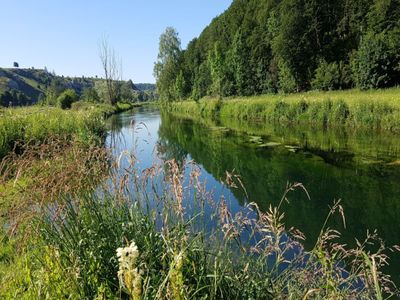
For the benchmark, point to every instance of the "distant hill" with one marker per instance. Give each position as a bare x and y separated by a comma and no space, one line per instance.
31,83
34,82
28,86
146,87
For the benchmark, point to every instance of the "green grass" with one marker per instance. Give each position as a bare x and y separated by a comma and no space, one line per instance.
179,257
375,109
71,251
84,122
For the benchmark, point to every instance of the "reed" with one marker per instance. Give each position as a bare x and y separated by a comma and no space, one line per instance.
377,109
178,255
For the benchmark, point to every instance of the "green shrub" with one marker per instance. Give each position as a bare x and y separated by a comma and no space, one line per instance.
66,99
90,95
327,76
287,81
374,64
90,236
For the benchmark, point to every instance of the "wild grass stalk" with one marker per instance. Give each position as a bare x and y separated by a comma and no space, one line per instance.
378,110
249,254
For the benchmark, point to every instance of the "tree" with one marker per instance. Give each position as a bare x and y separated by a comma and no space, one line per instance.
167,64
327,76
180,86
375,63
202,81
66,99
90,95
16,65
6,99
112,70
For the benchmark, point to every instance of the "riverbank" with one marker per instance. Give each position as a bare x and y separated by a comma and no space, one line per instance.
45,153
72,247
374,109
85,123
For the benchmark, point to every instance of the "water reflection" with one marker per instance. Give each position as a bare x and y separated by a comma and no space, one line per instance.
356,169
361,169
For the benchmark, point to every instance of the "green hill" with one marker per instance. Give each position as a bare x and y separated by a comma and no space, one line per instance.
27,86
269,46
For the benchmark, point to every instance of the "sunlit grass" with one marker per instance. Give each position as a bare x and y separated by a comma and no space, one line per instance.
375,109
36,124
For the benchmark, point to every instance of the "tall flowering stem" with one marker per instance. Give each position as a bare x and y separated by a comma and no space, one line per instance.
129,274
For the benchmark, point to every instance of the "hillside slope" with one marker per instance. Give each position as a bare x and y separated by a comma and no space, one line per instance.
28,86
268,46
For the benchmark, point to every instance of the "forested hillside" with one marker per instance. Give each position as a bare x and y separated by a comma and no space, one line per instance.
269,46
19,87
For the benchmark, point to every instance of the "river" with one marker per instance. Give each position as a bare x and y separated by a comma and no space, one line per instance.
360,168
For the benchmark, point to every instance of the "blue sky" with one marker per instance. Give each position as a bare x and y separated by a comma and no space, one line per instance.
63,35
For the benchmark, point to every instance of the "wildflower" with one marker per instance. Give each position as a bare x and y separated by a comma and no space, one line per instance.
129,274
176,276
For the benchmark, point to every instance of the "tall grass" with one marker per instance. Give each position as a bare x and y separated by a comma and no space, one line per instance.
378,109
183,252
85,122
36,124
29,182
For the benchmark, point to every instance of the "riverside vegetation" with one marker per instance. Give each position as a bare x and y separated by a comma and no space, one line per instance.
80,214
78,222
374,109
45,152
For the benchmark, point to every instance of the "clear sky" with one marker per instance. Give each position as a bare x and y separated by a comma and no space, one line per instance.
63,35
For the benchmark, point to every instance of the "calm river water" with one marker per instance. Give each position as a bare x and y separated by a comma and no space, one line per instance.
361,169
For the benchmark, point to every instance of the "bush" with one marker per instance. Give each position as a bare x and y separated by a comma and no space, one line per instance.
287,82
375,64
90,95
327,76
66,99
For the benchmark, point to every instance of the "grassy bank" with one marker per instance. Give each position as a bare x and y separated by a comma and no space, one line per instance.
45,152
375,109
85,122
122,246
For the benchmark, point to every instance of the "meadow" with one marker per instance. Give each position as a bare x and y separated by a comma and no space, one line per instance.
85,122
372,109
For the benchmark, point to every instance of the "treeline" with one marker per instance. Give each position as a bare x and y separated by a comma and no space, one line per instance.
269,46
96,91
21,87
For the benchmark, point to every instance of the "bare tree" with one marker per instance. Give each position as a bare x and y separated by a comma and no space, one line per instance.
112,69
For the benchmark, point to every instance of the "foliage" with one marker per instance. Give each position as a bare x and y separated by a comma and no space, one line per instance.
266,46
327,76
376,62
166,67
14,98
66,98
377,110
90,95
287,82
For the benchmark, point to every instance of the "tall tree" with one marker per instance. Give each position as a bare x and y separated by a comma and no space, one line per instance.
112,70
167,64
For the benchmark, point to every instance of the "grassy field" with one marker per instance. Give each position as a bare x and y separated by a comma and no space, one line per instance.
45,152
35,124
375,109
